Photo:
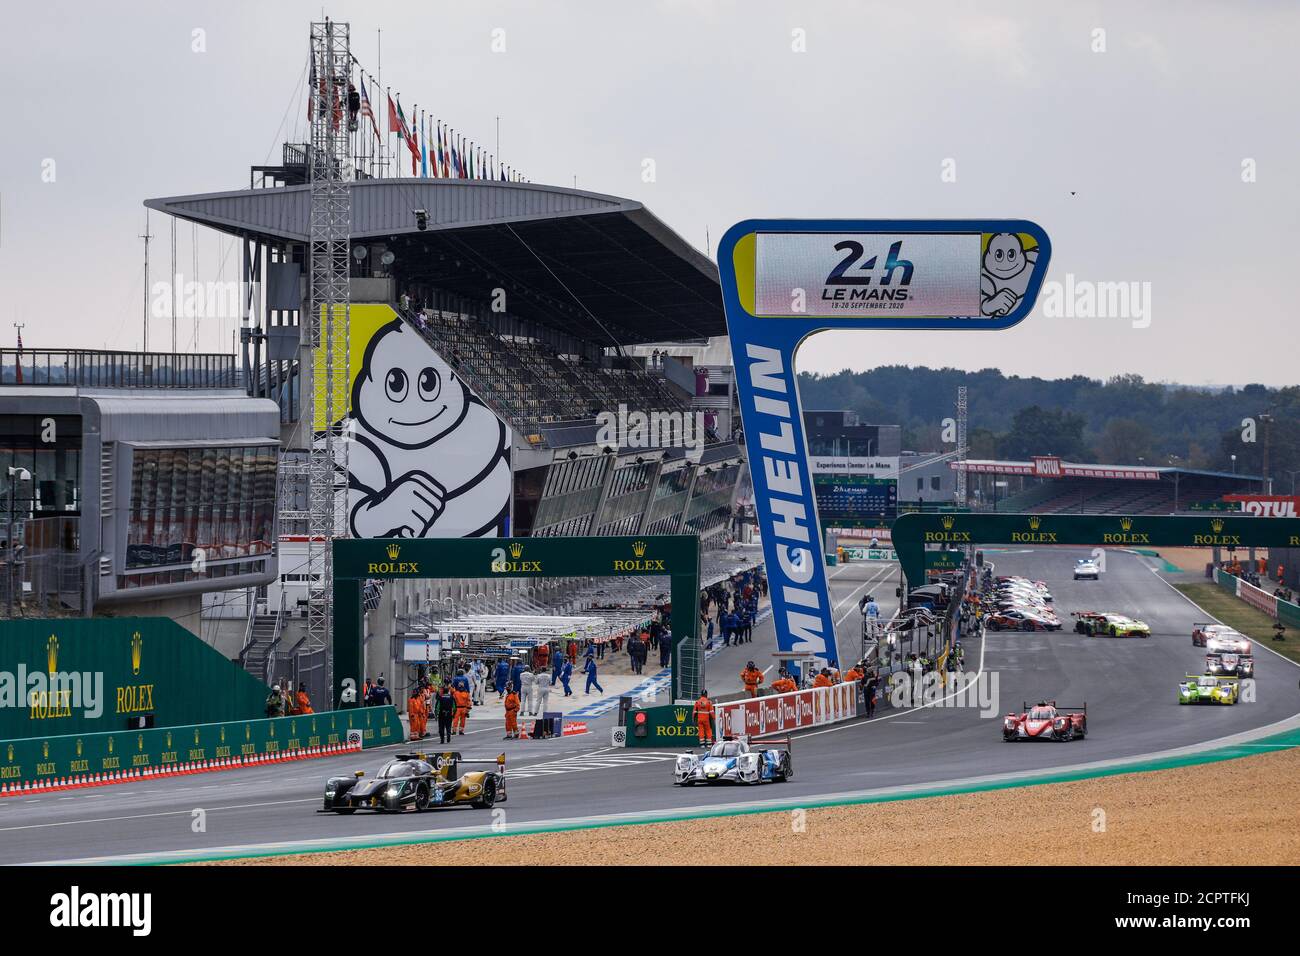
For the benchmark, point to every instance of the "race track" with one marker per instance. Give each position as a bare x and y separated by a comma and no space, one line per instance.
1129,686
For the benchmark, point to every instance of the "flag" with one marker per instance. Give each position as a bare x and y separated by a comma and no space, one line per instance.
397,121
366,111
424,150
440,163
18,370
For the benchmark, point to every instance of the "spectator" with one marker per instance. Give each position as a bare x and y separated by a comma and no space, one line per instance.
543,692
526,681
516,673
783,684
501,677
590,668
634,653
478,681
274,702
460,681
444,709
463,706
415,715
379,695
703,711
512,713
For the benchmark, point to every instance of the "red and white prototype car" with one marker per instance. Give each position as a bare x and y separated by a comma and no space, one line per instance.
1046,721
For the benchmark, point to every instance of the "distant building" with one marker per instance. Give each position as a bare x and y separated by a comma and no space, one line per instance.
152,481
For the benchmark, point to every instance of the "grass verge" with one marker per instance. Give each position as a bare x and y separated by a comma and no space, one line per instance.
1236,613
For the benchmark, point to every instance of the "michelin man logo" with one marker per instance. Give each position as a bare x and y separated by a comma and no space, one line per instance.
1005,275
429,459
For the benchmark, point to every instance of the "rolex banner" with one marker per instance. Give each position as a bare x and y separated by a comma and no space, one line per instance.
79,758
914,533
77,676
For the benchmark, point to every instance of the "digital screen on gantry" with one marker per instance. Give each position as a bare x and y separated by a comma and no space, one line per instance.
852,497
901,276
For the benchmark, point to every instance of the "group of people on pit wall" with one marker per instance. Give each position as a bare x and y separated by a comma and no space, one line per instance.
280,703
751,677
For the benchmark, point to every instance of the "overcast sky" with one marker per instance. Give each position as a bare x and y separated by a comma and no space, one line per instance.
1131,158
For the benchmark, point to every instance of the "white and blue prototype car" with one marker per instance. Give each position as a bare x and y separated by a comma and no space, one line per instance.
733,760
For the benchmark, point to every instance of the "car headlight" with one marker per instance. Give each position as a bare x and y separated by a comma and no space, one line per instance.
394,789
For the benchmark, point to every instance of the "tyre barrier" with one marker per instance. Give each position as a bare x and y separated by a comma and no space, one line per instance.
179,769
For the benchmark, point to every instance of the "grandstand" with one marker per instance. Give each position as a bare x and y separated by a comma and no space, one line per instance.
1048,485
533,297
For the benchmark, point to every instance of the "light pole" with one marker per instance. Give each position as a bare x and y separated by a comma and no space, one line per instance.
1234,464
15,475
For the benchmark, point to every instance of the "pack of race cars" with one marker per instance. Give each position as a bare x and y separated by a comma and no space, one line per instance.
1021,604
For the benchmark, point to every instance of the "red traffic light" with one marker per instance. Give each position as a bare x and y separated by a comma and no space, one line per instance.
640,717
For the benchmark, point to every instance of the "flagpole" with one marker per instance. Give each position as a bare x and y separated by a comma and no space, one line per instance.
379,82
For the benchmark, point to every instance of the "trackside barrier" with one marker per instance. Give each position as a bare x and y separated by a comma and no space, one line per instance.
794,710
44,765
1258,598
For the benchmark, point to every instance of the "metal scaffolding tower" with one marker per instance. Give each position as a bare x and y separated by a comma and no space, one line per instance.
325,326
961,446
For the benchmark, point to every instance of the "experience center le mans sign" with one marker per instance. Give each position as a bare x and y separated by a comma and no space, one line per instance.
912,532
785,279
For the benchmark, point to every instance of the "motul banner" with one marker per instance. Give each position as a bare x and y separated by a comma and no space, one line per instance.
776,713
1267,506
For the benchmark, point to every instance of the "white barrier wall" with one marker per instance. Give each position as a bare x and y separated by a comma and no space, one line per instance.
795,710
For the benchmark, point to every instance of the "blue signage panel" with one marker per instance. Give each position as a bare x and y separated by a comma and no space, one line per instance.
845,501
783,280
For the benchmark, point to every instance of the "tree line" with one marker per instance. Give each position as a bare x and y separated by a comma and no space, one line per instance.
1121,420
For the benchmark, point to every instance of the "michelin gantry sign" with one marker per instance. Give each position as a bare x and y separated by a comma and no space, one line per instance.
783,280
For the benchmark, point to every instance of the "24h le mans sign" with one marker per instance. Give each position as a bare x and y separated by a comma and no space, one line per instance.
785,279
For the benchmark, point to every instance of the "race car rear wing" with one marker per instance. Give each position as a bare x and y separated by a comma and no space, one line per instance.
499,760
1024,706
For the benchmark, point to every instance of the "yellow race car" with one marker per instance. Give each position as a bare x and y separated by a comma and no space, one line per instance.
1208,689
419,781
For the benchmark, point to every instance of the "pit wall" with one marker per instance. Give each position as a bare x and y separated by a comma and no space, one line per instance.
44,763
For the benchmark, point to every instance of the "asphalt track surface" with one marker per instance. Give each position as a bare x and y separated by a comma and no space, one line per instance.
1129,686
